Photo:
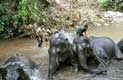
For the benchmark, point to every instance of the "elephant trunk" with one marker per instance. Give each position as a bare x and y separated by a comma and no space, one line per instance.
82,58
53,64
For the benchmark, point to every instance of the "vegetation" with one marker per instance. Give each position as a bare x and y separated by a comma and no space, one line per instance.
16,13
116,5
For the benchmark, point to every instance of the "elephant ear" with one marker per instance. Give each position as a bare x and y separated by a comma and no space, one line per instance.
88,41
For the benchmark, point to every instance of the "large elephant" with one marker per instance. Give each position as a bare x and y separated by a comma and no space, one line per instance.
120,45
102,48
60,51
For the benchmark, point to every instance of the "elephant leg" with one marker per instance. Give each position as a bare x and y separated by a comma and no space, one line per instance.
103,59
74,61
83,63
53,65
99,70
102,67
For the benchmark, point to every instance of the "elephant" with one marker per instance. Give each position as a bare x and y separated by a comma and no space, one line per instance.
102,49
3,72
110,47
60,51
120,45
18,68
17,73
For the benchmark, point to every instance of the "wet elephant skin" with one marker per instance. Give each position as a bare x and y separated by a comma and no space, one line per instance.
120,45
60,51
104,49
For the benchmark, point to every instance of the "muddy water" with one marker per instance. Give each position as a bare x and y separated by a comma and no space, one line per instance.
28,47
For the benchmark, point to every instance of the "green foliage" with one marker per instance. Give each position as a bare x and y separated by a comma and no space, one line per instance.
16,13
27,12
5,19
116,5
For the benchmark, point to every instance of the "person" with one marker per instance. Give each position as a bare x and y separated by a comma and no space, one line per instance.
81,31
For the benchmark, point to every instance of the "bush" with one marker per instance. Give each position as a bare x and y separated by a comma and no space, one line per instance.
5,20
116,5
16,13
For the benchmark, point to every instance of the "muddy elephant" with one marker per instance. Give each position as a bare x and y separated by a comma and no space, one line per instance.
3,73
60,51
13,74
120,45
102,49
18,68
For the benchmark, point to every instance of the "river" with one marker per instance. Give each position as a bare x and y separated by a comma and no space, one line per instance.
28,47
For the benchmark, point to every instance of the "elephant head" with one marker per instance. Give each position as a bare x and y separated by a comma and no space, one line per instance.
84,50
57,48
81,46
13,72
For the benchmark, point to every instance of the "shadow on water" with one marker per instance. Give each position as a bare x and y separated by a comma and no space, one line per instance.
28,47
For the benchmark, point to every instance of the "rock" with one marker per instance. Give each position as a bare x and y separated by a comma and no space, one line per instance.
57,1
114,17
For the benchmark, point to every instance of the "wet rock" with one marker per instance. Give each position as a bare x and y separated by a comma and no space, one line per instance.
112,16
57,1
